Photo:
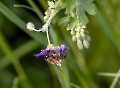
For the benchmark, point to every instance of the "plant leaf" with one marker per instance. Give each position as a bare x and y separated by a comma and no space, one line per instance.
85,6
69,5
64,20
81,7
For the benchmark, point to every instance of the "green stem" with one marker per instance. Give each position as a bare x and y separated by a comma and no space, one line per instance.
8,52
37,10
51,17
41,17
48,37
24,6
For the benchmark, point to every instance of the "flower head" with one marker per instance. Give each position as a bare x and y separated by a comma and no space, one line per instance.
54,55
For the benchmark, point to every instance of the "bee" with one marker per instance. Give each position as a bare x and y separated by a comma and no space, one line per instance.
54,58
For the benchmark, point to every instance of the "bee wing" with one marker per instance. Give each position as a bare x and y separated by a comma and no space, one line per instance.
58,65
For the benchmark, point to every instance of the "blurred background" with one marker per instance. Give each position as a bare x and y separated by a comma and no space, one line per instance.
20,69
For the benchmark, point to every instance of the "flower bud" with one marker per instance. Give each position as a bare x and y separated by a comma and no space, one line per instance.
51,4
82,30
72,32
77,29
83,26
86,44
30,26
74,39
68,29
78,35
82,35
79,44
46,18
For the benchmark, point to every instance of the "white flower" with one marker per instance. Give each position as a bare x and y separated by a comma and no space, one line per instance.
30,26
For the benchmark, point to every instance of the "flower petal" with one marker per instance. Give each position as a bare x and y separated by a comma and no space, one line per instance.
54,48
63,48
44,52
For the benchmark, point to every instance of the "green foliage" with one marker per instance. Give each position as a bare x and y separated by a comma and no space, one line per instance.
80,7
20,69
70,5
77,19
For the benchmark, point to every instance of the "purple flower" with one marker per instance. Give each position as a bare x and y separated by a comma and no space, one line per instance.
54,55
42,53
62,50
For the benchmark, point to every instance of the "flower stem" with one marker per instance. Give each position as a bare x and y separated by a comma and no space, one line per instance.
48,23
51,17
48,37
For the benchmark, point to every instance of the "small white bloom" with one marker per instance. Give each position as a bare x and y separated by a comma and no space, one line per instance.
86,44
83,26
77,35
74,39
79,44
30,26
72,32
51,4
68,29
82,35
77,29
82,30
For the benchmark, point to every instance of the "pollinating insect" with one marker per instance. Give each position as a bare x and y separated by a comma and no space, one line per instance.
54,55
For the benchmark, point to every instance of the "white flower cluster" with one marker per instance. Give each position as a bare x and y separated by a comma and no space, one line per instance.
80,35
51,10
49,14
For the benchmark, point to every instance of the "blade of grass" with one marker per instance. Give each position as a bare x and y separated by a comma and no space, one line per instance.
77,72
21,24
43,3
108,74
116,80
19,52
86,80
74,85
24,6
38,12
15,82
63,75
9,53
106,29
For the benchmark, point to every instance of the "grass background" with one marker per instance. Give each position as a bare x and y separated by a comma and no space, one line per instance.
20,69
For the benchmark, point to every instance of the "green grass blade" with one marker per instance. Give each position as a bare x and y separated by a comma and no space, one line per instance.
20,23
19,52
37,10
5,48
106,29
